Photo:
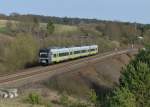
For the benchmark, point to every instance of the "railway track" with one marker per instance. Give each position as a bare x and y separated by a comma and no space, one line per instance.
41,73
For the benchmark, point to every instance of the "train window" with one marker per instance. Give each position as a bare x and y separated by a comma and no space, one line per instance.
76,52
44,55
63,54
83,51
92,49
71,53
54,55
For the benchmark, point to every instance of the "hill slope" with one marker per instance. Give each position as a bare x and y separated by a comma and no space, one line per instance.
101,76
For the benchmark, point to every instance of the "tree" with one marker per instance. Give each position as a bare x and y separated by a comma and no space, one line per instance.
134,89
122,97
36,21
21,52
50,27
93,98
136,78
14,14
143,56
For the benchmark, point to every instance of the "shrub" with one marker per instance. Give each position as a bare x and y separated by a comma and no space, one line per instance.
64,100
122,98
49,104
20,52
78,104
34,98
93,98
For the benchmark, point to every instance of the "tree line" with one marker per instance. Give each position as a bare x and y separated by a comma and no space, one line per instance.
58,20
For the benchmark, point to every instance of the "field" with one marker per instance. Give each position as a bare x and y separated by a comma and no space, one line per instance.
65,29
60,29
3,26
3,23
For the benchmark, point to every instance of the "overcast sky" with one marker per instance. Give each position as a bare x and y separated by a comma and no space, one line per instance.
121,10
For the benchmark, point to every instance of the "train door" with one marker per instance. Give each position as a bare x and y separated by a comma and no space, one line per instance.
50,55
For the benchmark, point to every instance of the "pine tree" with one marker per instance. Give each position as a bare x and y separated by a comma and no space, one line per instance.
134,89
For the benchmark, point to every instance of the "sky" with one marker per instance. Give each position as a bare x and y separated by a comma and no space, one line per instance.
115,10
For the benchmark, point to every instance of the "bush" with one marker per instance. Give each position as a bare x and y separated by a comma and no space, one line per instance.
64,100
34,98
78,104
20,52
48,105
93,98
122,98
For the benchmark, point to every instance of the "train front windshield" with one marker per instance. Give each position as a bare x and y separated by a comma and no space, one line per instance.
43,55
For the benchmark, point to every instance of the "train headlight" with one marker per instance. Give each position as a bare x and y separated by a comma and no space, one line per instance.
44,61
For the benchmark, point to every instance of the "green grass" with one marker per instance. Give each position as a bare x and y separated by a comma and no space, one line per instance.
3,30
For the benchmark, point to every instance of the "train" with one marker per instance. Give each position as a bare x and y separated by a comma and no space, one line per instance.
56,54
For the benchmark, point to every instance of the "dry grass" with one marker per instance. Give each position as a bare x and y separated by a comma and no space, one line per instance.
15,103
65,29
61,29
99,76
4,22
6,38
46,94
